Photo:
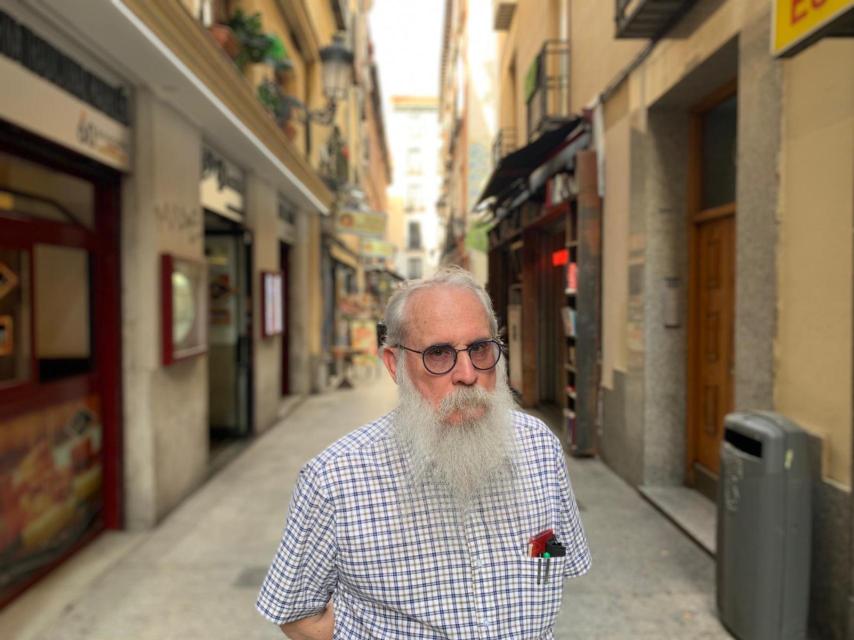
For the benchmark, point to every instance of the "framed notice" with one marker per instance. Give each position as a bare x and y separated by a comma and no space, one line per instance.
272,305
184,292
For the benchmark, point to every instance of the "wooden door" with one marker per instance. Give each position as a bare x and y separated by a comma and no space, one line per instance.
715,295
711,331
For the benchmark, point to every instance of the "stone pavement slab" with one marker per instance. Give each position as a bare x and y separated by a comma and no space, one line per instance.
198,573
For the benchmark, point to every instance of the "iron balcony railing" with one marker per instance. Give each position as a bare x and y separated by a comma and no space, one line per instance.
648,18
504,143
547,88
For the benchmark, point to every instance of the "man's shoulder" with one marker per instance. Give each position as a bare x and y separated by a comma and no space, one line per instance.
531,432
364,442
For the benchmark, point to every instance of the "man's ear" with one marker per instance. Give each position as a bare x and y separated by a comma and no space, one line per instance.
390,362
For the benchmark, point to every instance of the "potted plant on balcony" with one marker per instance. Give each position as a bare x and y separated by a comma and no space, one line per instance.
274,100
277,57
254,43
225,38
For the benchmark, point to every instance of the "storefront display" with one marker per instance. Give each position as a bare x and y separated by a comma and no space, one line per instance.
50,480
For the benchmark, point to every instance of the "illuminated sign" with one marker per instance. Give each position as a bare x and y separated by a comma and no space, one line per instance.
798,23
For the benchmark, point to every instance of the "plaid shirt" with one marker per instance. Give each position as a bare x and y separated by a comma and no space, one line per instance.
399,561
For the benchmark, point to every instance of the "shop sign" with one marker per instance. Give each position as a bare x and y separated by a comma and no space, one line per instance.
369,224
799,23
377,248
223,186
45,109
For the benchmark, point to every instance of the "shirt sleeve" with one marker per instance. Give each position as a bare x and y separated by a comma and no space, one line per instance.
578,553
303,575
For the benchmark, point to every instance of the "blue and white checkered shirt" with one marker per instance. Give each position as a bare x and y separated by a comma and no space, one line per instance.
398,567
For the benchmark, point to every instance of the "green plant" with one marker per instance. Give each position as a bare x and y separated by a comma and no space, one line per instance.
270,95
255,45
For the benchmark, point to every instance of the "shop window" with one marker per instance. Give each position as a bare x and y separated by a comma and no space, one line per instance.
14,316
37,191
63,303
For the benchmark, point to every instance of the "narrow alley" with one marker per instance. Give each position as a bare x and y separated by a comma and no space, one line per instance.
197,574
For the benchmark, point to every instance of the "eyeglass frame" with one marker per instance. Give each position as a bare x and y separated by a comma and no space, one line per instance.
456,351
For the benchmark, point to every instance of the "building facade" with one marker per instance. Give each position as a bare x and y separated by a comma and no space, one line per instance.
163,201
413,132
717,274
468,95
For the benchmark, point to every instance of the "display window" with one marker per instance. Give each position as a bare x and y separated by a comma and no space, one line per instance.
58,366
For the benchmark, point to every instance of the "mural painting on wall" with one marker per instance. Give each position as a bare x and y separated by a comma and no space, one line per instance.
50,487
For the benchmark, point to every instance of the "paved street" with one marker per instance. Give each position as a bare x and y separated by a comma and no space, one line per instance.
197,574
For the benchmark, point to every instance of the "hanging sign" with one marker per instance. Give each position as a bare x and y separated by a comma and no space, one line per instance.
377,248
799,23
369,224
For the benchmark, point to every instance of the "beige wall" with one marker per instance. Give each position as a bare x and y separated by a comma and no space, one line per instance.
814,344
262,219
165,408
596,57
615,237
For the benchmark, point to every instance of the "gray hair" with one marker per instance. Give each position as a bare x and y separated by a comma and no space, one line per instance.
451,276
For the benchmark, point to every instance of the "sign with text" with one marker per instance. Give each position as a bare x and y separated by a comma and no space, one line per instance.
377,248
798,23
370,224
45,109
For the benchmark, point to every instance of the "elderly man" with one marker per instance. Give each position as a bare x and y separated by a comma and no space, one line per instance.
452,516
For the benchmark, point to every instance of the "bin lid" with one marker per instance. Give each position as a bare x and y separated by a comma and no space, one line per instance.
765,435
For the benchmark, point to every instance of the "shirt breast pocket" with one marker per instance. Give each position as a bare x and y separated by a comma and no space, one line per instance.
530,600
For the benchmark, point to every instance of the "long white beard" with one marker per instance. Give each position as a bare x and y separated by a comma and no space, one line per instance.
472,455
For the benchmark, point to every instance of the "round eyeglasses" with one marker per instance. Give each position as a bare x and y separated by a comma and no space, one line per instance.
439,359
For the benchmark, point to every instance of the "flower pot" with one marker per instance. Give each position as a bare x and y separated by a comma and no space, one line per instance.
224,37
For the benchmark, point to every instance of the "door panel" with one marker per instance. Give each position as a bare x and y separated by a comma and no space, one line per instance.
715,296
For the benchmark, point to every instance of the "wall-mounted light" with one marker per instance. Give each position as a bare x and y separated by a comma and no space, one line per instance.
336,60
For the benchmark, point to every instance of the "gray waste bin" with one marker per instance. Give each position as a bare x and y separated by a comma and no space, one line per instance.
764,525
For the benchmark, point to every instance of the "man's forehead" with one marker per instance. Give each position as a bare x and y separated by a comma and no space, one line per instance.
446,314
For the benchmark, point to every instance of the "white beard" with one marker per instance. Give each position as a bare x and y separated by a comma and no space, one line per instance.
470,456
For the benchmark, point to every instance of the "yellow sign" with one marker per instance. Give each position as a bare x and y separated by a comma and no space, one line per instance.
377,248
797,21
369,224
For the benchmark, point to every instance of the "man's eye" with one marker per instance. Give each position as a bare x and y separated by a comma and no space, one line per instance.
436,352
479,347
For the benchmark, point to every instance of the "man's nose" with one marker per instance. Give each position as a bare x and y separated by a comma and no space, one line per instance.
464,371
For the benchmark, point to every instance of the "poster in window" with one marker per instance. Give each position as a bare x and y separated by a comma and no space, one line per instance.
184,308
272,313
50,487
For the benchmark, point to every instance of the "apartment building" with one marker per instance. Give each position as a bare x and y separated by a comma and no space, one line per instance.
170,172
702,260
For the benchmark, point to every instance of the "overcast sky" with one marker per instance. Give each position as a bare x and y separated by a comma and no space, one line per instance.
407,37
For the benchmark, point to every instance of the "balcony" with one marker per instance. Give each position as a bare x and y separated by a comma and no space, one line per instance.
547,88
504,144
502,12
648,18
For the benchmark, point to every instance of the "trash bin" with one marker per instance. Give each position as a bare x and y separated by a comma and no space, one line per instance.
764,525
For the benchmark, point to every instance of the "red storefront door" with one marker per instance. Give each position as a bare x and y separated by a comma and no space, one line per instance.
59,360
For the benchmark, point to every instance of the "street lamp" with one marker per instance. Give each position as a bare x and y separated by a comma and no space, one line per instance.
336,60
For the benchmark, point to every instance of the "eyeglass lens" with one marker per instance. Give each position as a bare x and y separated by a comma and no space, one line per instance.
441,358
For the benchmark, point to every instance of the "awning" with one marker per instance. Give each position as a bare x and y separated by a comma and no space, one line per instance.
514,169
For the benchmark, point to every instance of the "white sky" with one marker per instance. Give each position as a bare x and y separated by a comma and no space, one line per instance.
407,37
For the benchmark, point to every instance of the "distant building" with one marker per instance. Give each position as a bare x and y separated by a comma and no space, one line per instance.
413,136
467,118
